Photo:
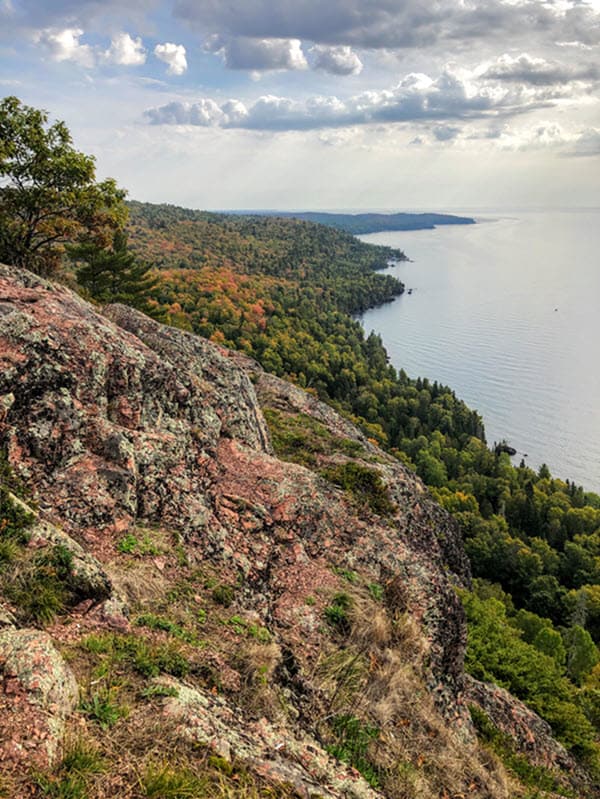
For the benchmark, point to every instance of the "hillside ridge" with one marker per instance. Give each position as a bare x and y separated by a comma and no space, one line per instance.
209,609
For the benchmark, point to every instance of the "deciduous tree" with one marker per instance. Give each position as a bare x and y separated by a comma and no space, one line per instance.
48,191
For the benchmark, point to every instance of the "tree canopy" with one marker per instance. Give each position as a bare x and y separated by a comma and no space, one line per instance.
48,191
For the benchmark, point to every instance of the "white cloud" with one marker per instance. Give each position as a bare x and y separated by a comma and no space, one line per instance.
63,45
586,144
416,97
125,50
258,54
340,60
537,71
546,135
174,55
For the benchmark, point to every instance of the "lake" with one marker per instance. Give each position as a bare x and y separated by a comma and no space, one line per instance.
507,313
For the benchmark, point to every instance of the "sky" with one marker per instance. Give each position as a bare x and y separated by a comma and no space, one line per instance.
321,104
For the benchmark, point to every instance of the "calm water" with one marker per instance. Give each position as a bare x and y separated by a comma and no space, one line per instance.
507,312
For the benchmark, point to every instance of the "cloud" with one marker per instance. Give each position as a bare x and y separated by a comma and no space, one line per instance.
393,24
416,97
126,51
63,45
337,60
446,132
538,72
548,135
174,55
587,144
258,54
78,13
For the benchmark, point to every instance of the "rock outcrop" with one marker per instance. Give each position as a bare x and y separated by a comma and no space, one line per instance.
38,693
149,459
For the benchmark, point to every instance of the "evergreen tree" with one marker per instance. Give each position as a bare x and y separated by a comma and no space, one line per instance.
113,274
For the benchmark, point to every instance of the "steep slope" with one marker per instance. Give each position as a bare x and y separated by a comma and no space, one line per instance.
247,624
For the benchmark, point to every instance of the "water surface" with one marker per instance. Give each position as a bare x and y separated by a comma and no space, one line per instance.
507,312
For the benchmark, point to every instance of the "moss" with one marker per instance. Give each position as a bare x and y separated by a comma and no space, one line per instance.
363,484
301,439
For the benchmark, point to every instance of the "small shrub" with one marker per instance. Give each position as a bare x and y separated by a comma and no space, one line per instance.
337,613
138,654
364,484
159,691
37,592
376,591
155,622
101,707
82,757
353,738
223,595
128,544
348,575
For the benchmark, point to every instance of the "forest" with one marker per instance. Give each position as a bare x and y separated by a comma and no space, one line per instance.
286,292
373,223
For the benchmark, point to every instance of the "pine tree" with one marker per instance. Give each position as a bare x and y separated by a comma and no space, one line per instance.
113,274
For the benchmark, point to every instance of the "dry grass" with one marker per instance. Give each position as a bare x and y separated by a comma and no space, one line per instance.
377,676
256,664
144,759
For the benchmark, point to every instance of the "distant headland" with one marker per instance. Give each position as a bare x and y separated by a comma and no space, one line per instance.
374,223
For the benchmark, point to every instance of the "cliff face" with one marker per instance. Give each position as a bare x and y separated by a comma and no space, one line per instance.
218,597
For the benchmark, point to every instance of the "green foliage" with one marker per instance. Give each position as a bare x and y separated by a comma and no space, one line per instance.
14,523
159,691
302,439
136,653
112,274
376,591
364,484
532,776
337,613
243,627
223,595
352,740
497,653
131,544
581,653
48,192
155,622
14,520
102,707
40,585
128,544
